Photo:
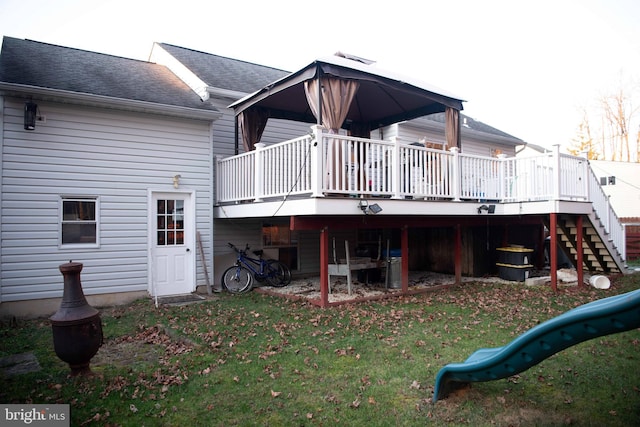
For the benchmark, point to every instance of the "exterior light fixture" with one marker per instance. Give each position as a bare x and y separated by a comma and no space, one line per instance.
176,180
30,115
375,208
367,209
490,209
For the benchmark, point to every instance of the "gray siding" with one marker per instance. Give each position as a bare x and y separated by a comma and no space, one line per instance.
309,252
276,130
241,232
84,151
472,143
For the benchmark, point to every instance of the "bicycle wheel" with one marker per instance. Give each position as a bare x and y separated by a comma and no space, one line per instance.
279,274
237,279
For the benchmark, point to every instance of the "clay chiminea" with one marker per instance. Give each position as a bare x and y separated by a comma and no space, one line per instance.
77,329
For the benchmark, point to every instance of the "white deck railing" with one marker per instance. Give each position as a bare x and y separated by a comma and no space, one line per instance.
605,213
340,164
322,163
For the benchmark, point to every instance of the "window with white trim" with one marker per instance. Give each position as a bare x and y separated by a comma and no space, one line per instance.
79,221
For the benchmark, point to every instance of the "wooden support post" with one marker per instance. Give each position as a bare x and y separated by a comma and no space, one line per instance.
553,250
540,254
404,250
458,253
579,251
324,267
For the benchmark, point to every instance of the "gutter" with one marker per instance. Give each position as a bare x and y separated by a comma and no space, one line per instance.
225,93
78,98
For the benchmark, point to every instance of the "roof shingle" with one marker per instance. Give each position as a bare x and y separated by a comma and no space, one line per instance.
225,73
44,65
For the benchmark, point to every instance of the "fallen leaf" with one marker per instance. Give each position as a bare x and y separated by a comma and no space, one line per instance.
275,393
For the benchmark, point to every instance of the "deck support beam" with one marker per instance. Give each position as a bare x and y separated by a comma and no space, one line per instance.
458,253
404,263
579,251
324,267
553,250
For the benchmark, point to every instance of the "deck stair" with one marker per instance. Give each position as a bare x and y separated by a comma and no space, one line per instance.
599,253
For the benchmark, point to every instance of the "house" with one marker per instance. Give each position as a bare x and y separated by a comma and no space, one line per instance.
619,182
130,163
116,173
212,75
431,197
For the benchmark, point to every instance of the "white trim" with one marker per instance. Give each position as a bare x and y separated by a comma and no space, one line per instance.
191,237
160,56
71,246
111,102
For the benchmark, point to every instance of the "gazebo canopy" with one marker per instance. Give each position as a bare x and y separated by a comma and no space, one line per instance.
376,98
382,99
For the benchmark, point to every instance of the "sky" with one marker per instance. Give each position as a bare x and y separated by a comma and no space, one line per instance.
526,67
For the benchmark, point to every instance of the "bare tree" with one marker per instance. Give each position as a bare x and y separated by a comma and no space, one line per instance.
617,112
584,142
638,145
614,140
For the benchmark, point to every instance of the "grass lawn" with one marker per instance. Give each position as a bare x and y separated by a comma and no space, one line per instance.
258,360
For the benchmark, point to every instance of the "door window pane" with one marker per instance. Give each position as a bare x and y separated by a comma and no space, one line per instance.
170,222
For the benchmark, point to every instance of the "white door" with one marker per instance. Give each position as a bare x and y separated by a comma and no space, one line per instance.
171,243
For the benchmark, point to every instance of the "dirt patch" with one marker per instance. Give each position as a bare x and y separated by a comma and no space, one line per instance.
147,346
178,300
309,288
114,353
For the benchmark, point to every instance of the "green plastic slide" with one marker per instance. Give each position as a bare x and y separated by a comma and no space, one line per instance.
602,317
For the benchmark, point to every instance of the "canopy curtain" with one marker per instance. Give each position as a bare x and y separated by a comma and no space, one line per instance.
452,127
337,95
252,123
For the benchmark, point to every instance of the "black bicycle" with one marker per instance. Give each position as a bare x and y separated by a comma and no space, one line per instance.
239,277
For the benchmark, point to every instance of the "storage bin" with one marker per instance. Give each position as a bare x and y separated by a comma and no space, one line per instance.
514,255
516,273
395,253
